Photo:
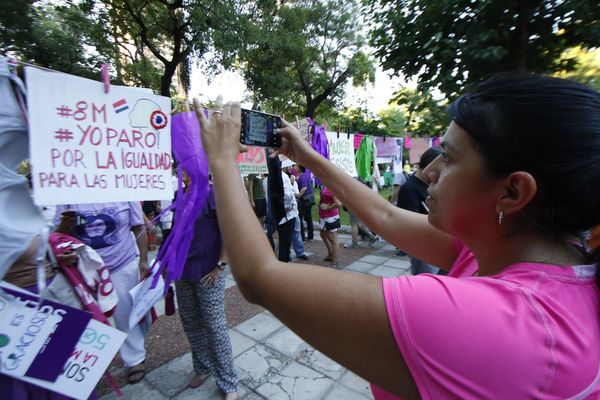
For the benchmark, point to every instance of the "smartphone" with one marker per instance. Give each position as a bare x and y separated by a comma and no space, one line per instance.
258,129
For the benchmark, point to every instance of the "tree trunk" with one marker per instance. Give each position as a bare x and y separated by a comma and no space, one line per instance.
182,90
518,59
167,78
310,109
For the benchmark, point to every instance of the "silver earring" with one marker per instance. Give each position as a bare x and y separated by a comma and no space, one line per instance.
500,217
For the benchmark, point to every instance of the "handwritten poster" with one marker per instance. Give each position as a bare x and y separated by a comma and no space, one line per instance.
144,296
341,152
254,161
88,146
304,127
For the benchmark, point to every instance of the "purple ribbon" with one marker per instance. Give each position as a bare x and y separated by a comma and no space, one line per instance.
188,151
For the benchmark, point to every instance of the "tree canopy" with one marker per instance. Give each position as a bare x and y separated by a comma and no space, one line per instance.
299,55
451,44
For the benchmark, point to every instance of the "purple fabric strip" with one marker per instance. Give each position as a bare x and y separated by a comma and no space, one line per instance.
187,149
320,144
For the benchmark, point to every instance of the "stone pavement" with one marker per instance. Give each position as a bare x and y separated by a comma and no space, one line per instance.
272,362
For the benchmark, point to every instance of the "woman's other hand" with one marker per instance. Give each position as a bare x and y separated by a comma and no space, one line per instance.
293,145
221,131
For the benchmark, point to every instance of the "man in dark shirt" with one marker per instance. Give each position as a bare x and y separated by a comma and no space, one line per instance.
412,197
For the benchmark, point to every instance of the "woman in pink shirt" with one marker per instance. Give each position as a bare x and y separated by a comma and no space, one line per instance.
329,214
517,317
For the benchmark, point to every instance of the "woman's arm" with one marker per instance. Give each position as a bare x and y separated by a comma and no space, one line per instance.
321,305
405,229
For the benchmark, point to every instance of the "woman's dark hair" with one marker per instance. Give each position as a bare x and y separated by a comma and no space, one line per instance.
430,154
548,127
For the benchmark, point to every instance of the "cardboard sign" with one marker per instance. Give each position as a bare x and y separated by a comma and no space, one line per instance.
304,128
86,359
94,146
418,147
143,297
36,339
254,161
341,152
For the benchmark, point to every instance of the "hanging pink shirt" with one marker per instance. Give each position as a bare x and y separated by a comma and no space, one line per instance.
531,331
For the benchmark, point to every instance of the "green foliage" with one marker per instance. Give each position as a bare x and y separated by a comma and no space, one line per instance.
158,39
299,55
586,67
451,44
58,37
425,116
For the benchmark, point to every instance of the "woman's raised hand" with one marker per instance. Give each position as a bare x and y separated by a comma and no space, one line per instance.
221,131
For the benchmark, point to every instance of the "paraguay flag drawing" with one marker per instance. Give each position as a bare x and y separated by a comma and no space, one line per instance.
120,106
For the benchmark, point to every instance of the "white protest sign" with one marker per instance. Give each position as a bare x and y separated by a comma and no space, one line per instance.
304,127
88,146
254,161
143,297
88,362
341,152
397,163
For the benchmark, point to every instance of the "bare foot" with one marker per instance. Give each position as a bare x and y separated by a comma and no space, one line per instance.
231,396
198,380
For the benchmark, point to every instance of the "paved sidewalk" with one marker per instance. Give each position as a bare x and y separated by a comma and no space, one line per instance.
272,362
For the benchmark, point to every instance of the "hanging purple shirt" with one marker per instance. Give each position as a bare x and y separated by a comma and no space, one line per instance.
205,247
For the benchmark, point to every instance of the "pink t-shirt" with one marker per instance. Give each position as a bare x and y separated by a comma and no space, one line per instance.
531,331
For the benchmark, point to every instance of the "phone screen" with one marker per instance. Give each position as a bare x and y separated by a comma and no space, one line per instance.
257,129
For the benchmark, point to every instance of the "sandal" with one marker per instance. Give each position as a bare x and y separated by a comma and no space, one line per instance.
334,266
136,373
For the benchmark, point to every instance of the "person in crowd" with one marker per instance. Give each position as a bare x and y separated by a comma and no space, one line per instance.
151,209
400,179
106,228
358,228
201,302
518,316
285,227
297,242
413,197
256,195
329,215
305,203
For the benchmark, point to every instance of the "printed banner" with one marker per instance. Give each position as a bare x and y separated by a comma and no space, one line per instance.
91,146
143,297
341,152
387,147
254,161
86,359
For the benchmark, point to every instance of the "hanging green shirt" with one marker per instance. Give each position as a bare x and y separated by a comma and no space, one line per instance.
364,158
